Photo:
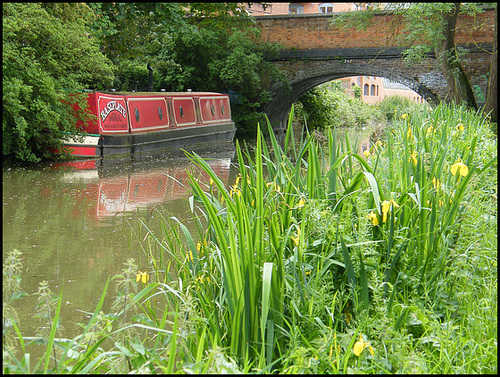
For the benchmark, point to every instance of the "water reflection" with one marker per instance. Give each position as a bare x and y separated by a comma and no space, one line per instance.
126,188
74,224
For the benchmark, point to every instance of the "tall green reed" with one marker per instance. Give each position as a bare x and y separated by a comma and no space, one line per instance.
435,155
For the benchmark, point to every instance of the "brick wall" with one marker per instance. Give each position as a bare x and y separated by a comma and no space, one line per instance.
310,31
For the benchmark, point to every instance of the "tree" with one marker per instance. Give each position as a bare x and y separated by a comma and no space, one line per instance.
426,28
198,46
46,61
490,106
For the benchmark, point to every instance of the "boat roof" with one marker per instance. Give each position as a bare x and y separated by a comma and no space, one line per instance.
157,93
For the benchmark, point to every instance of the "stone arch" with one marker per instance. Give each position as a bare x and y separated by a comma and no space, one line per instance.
303,76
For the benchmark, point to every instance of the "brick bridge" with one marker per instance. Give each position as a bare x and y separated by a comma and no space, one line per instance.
315,52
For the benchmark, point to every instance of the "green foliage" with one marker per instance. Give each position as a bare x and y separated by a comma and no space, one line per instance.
423,28
328,106
45,61
393,107
212,58
132,76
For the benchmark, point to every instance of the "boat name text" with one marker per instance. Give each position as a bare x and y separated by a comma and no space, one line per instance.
113,105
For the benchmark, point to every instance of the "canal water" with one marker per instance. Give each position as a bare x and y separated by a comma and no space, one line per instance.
74,224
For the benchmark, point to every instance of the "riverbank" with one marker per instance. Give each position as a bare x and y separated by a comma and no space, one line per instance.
345,261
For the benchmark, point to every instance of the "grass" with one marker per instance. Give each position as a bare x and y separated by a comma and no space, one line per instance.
316,259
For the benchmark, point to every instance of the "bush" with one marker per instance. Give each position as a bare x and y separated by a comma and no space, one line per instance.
328,106
393,107
45,61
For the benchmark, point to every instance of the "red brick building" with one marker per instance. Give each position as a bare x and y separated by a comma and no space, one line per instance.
373,89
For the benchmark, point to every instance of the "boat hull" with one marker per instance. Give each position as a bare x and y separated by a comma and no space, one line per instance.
169,142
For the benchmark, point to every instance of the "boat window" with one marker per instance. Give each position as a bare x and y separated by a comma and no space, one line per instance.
181,110
222,109
160,113
137,114
213,109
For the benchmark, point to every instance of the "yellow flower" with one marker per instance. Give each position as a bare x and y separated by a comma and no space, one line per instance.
296,239
436,183
301,203
460,127
430,130
144,276
413,157
201,279
189,255
386,206
236,191
409,135
366,153
460,167
308,273
373,218
274,185
404,116
201,246
360,345
237,182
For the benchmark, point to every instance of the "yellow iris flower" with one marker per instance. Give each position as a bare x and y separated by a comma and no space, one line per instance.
413,157
459,167
373,218
296,239
436,183
144,276
360,345
386,207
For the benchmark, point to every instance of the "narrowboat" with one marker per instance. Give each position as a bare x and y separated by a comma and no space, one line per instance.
135,125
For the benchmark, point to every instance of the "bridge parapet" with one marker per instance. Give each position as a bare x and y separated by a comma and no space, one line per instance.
315,31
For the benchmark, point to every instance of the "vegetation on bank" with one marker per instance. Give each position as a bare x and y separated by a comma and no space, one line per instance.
327,106
316,259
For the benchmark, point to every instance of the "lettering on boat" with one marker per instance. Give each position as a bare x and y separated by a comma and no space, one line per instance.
113,105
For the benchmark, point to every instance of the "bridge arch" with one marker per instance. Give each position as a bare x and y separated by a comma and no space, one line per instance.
310,75
314,51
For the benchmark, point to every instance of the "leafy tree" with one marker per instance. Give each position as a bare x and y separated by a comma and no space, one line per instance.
198,46
220,53
46,60
427,27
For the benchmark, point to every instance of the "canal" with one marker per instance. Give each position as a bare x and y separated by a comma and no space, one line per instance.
76,225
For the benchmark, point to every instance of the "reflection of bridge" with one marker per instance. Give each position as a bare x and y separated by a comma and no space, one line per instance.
316,52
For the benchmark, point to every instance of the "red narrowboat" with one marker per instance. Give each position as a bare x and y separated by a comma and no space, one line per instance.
142,124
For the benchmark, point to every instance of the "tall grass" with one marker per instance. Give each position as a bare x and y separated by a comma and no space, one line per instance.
315,260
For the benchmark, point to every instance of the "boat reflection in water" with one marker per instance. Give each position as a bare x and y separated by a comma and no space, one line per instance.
118,189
